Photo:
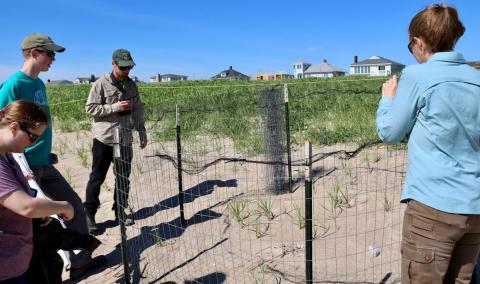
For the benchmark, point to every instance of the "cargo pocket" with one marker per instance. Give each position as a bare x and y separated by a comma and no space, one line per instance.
417,264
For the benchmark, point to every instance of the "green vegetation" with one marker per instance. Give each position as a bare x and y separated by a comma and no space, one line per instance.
325,111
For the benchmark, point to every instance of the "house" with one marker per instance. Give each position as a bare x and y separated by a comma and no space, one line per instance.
59,82
85,80
134,78
167,78
322,70
230,74
375,66
475,64
273,77
299,69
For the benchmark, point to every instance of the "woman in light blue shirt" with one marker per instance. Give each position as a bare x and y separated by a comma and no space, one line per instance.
436,106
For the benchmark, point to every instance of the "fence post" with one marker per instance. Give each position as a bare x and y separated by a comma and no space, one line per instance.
179,167
287,130
120,211
308,213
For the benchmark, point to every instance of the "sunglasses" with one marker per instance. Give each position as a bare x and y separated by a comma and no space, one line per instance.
49,53
32,136
410,44
125,68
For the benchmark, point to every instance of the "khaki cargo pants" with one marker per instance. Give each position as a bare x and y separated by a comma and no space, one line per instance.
438,247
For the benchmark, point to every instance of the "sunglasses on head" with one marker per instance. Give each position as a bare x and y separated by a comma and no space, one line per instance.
32,136
49,53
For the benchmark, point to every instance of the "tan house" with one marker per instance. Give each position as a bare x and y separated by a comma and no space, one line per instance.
273,77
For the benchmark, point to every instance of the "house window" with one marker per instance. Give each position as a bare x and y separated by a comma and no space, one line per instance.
223,74
299,66
382,67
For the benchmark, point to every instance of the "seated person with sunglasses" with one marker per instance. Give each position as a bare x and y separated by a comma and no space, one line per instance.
21,123
113,102
39,54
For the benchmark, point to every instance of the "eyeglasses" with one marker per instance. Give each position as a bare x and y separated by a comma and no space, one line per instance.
125,68
32,136
49,53
410,45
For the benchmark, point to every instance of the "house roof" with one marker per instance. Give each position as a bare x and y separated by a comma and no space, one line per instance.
376,60
229,74
302,62
323,67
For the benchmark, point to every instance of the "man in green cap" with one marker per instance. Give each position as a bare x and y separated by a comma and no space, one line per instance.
39,53
113,102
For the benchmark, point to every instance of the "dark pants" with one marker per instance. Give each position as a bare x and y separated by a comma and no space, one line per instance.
54,185
46,265
438,247
22,279
102,157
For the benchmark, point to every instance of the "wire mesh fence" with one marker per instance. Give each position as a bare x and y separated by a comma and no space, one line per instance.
233,157
218,195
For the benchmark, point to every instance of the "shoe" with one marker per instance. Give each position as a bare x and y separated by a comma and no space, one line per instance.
92,225
94,243
76,272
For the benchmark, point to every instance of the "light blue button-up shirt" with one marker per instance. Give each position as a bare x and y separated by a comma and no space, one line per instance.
437,105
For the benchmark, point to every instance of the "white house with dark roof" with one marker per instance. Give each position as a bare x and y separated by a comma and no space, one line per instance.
167,78
375,66
230,74
323,70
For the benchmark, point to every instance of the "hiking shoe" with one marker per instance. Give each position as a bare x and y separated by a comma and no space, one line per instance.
92,226
94,243
76,272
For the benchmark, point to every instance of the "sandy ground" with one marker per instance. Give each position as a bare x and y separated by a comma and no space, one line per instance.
235,230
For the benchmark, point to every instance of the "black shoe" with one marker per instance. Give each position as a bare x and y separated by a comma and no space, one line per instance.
94,243
76,272
92,226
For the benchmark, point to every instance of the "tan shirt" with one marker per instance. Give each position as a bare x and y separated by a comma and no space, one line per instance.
106,117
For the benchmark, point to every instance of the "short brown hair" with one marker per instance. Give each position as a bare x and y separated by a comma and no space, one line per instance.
26,113
439,26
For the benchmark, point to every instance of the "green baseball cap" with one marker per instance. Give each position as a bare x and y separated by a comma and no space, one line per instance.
123,58
42,41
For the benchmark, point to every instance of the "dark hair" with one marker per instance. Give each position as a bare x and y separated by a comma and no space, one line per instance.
439,26
26,113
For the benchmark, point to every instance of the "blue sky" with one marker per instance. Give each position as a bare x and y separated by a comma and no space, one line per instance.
201,38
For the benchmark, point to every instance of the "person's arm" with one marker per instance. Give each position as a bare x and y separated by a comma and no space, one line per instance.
398,108
95,105
23,204
138,116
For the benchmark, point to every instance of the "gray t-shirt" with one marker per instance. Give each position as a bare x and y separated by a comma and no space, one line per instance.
16,241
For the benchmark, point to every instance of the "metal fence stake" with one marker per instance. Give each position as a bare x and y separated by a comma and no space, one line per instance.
179,164
120,211
308,213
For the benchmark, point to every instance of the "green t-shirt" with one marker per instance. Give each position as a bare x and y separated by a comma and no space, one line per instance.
20,86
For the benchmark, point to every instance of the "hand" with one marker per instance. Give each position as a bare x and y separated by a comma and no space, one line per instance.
143,139
122,105
68,213
389,88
